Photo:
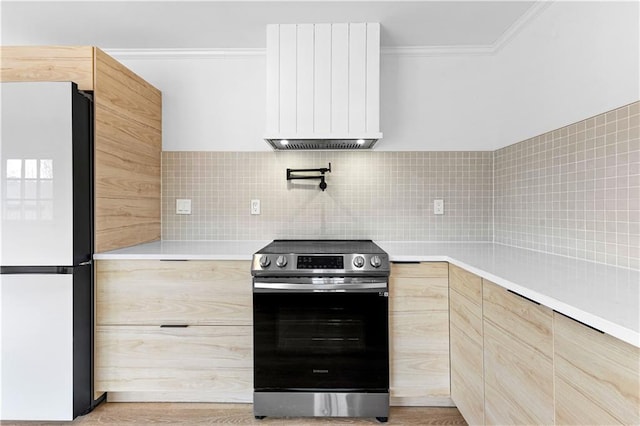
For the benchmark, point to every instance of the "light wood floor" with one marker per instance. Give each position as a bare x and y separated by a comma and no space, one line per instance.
129,413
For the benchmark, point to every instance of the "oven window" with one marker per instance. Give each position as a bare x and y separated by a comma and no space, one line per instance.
327,332
321,341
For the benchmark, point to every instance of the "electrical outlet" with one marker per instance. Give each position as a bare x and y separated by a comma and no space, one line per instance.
183,206
438,206
255,206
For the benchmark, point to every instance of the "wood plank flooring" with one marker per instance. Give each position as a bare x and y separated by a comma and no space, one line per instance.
130,413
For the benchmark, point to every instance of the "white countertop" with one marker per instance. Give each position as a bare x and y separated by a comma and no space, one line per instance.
186,250
604,297
601,296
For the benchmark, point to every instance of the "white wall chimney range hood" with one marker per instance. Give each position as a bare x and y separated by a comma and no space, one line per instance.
323,86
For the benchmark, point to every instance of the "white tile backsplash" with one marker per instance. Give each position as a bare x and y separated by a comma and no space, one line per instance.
377,195
574,191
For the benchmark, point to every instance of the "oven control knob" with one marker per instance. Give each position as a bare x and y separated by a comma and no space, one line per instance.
358,261
265,261
281,261
376,262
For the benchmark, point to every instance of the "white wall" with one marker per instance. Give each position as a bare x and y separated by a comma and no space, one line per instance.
576,60
209,104
572,61
436,103
218,104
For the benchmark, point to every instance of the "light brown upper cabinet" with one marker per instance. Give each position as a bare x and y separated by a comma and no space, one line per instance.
127,135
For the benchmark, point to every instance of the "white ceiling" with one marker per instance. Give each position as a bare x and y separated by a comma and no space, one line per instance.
241,24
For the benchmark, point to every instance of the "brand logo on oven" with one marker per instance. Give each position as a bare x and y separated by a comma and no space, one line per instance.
320,371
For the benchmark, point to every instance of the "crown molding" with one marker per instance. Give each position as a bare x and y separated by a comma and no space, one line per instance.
399,51
420,51
181,53
535,10
228,53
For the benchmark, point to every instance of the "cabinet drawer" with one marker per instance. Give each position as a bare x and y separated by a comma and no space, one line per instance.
419,333
211,359
466,337
518,381
152,292
597,376
518,359
419,354
466,283
422,269
466,316
467,377
518,317
418,294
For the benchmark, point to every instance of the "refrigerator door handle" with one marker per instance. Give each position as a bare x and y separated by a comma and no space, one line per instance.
46,270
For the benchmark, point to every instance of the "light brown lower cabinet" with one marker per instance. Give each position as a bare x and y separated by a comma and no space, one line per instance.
154,292
501,358
196,363
518,359
174,331
419,334
597,376
514,361
466,344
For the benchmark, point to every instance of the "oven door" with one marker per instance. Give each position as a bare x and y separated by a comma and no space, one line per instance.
327,336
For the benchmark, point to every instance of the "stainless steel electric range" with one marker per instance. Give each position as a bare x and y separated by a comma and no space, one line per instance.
321,329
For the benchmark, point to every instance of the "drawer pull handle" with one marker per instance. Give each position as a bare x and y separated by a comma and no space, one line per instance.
580,322
174,326
405,262
524,297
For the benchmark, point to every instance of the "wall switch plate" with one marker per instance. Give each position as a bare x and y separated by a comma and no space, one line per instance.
255,206
183,206
438,206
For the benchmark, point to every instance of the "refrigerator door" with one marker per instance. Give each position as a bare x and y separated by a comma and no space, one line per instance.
36,174
36,347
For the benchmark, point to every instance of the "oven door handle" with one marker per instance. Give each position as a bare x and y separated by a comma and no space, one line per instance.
271,287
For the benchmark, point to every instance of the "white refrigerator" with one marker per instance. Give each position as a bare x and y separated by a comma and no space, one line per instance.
46,248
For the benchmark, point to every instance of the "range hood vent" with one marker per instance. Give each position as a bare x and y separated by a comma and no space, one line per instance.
320,144
323,86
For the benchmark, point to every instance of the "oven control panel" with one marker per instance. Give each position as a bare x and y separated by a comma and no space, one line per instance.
320,258
320,262
283,264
